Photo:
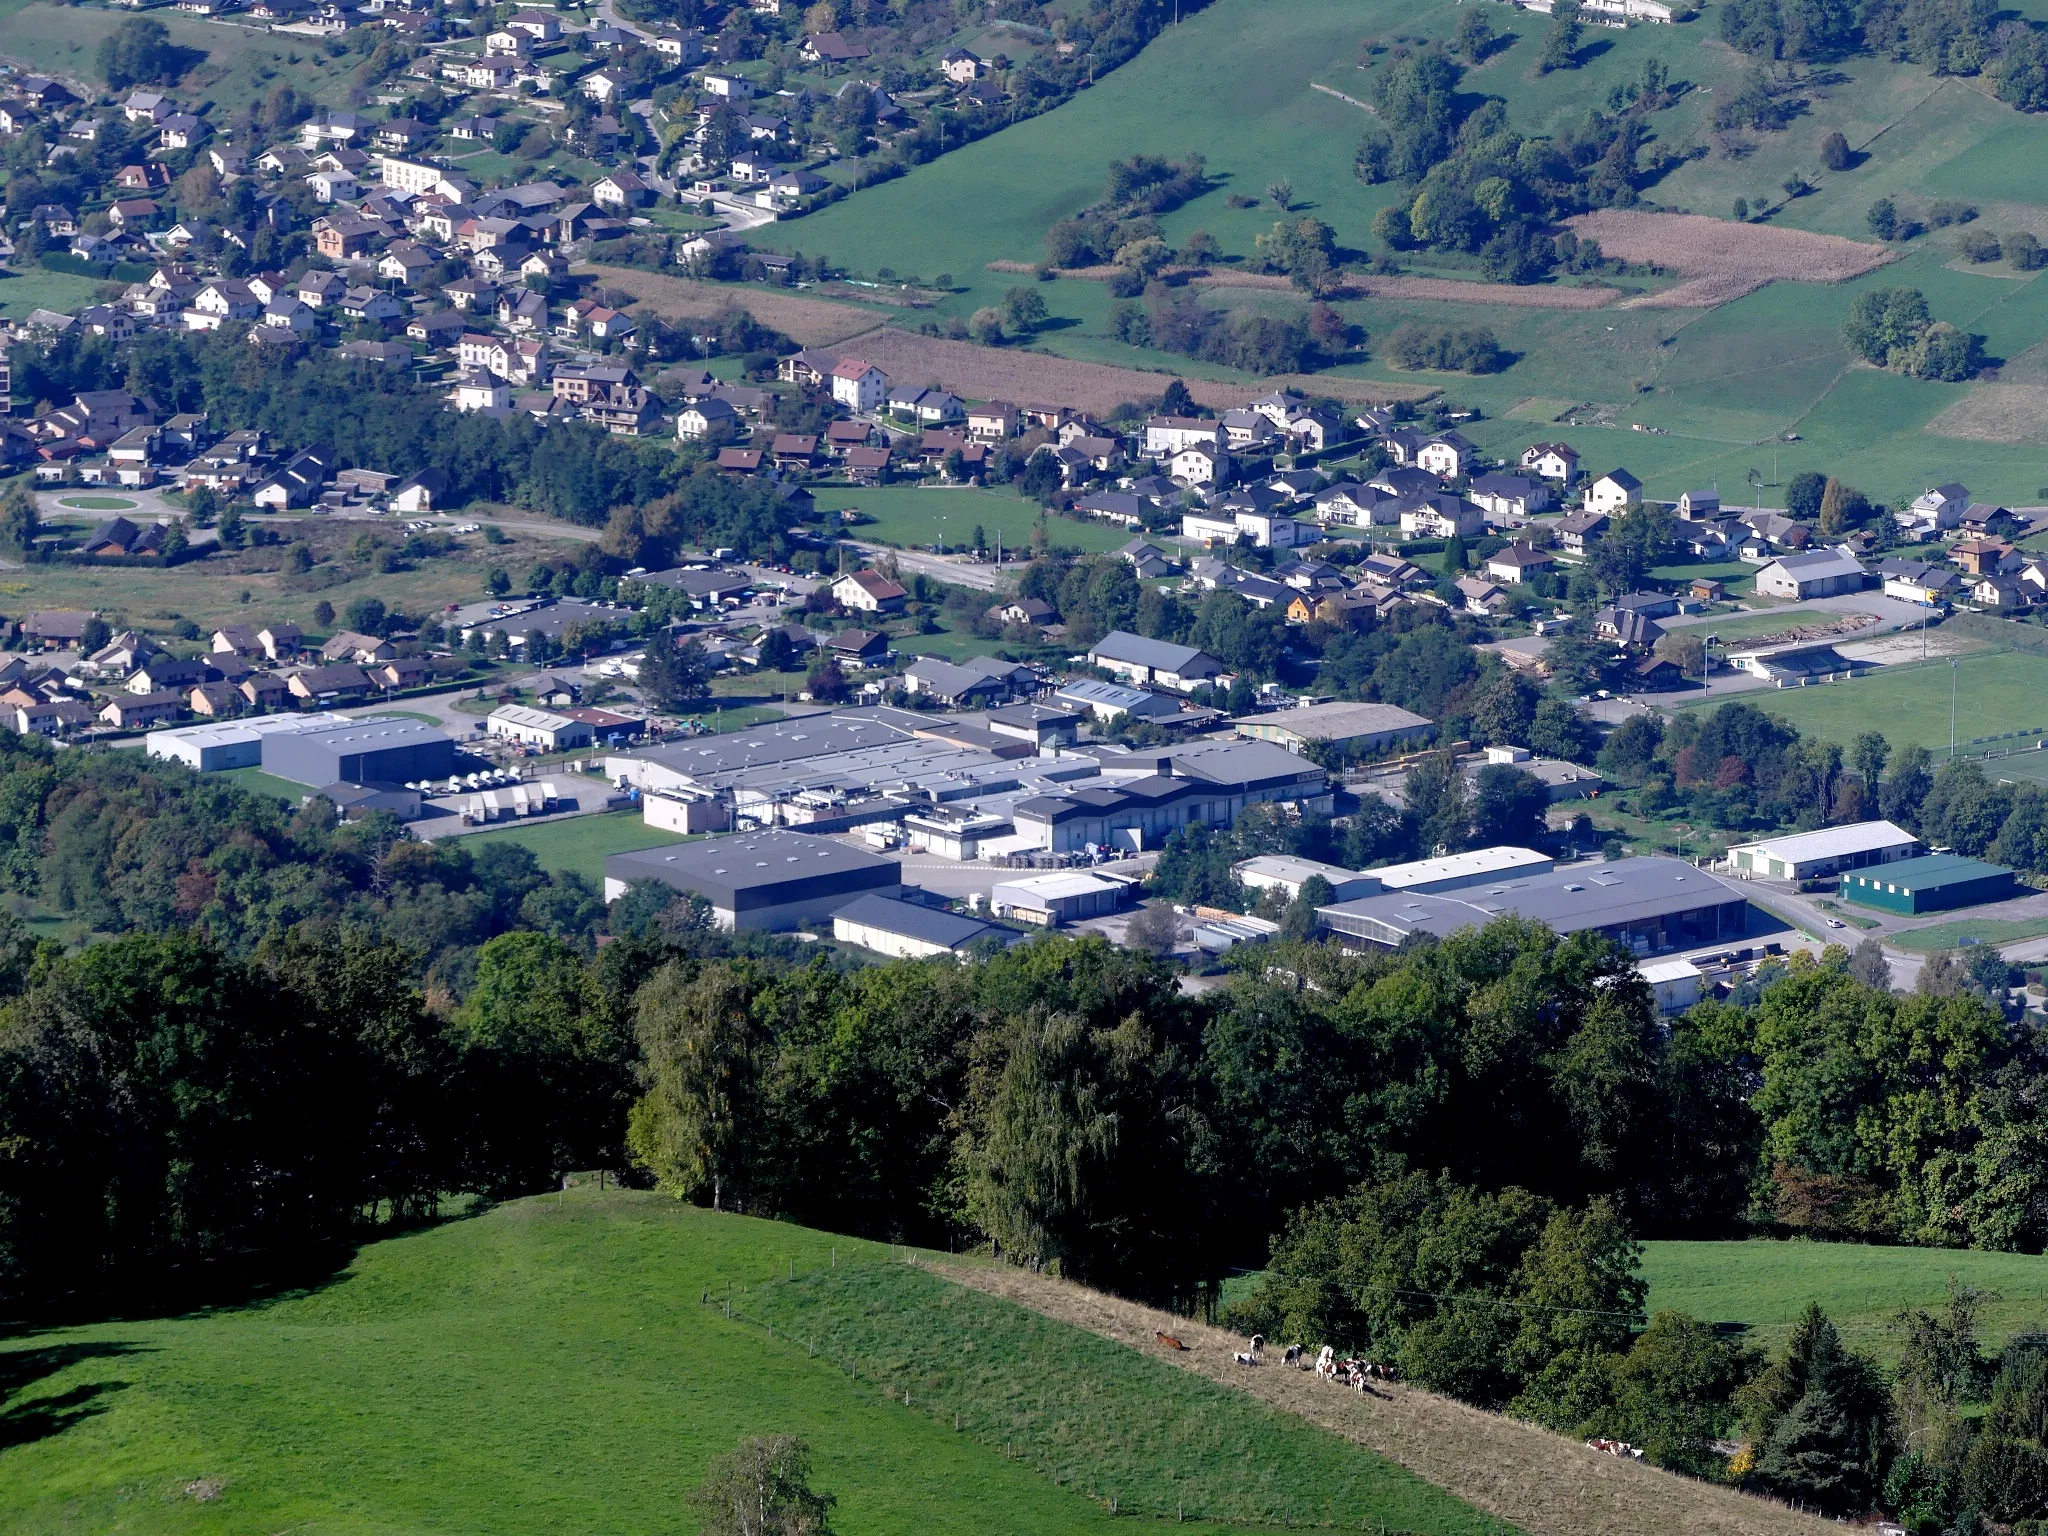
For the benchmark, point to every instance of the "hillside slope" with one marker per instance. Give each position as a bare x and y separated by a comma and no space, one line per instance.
1541,1481
553,1368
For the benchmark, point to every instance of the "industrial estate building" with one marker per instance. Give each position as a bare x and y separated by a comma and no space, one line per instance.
906,930
772,879
376,748
1354,727
230,744
1830,851
1650,905
1934,882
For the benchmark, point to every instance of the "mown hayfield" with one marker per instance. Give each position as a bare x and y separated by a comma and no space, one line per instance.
580,845
551,1368
913,518
1767,1284
1994,693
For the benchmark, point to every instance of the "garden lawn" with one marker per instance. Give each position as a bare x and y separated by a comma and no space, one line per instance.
578,844
1767,1284
915,518
257,782
551,1369
1994,693
1979,930
24,292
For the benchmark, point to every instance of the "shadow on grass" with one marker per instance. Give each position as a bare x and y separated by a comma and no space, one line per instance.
23,1423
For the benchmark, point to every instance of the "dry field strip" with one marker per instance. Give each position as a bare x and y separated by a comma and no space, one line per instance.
1721,261
1545,1483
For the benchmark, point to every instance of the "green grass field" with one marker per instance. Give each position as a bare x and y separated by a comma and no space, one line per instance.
550,1368
23,292
257,782
915,518
580,844
1768,1284
1981,930
1995,692
1723,386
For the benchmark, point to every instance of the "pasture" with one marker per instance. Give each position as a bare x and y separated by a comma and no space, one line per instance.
22,293
550,1369
1715,390
1994,692
915,518
578,845
1766,1284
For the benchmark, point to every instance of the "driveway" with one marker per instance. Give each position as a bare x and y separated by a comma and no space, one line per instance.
982,575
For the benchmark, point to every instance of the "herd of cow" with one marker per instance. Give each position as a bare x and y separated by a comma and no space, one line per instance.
1356,1373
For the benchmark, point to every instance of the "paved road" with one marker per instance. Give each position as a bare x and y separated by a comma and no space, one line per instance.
983,575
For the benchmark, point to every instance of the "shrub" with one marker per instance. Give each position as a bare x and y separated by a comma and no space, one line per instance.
1445,350
1883,218
1980,245
1834,152
1949,210
2024,251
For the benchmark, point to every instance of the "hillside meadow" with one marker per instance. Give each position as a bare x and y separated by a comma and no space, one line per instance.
1684,397
552,1367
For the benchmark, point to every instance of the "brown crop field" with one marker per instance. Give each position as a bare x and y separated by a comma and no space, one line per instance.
1545,1483
808,322
1007,373
1720,260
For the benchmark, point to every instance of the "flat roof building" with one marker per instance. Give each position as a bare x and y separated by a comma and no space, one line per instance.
541,728
230,743
1287,875
1935,882
1475,866
1359,727
373,749
1829,851
1063,897
772,879
1650,905
904,930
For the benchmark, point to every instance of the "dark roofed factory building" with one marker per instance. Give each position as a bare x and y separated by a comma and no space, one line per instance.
769,879
1650,905
373,749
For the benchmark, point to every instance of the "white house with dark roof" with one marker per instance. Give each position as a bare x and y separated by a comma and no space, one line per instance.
1615,491
859,385
1139,661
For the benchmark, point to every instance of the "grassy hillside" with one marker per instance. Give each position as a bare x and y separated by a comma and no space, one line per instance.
1723,386
1768,1284
550,1368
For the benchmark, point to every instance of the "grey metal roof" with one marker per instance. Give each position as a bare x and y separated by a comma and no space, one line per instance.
912,921
771,867
1121,645
1576,897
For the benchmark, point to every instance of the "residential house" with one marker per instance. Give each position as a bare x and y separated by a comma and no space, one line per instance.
1449,456
1615,491
1483,597
1440,517
1199,464
1551,461
960,67
1576,531
1699,506
1509,500
1518,562
343,681
859,385
1986,557
868,592
620,190
1168,435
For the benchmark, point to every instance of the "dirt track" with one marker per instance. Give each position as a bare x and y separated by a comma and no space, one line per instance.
1547,1485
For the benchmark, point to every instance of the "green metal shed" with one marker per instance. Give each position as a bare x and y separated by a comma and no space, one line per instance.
1934,882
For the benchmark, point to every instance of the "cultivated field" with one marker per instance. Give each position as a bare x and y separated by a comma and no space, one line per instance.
1543,1483
1997,413
1722,260
581,844
1995,692
550,1369
808,322
1768,1284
